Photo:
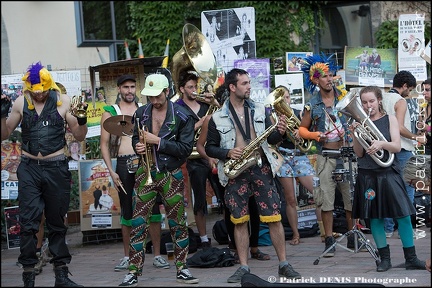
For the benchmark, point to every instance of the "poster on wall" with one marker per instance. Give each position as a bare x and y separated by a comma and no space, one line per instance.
11,158
99,200
366,66
259,73
231,34
294,83
74,150
411,44
295,61
12,226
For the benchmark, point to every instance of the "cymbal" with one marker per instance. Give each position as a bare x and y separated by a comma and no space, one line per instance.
120,125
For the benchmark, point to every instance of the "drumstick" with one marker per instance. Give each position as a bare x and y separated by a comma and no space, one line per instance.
121,186
333,123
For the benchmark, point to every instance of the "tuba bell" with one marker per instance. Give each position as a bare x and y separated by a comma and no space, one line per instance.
367,131
196,56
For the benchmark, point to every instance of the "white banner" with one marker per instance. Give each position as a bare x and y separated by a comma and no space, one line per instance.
411,43
231,34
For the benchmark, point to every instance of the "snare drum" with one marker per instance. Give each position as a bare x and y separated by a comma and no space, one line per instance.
340,175
132,163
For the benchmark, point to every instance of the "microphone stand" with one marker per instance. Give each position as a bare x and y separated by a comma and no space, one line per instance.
359,237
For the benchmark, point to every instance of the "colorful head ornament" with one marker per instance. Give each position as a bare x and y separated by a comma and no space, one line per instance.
38,79
316,66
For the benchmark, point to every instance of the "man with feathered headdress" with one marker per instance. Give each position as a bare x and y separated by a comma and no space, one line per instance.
43,174
321,122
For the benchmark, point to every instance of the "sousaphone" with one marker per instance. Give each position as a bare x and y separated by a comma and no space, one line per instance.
195,55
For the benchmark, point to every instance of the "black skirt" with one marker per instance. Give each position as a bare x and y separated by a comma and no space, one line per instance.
381,193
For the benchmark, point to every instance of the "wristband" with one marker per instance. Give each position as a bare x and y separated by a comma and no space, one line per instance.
306,134
82,121
5,106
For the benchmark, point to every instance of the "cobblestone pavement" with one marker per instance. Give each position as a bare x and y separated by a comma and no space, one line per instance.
93,265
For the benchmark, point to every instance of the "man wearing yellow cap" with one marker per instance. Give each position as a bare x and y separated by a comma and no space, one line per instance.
43,174
163,137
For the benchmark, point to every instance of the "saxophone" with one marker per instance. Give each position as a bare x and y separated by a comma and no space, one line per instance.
250,155
292,123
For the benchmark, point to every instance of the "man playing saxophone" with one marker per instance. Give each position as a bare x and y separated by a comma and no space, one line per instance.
199,168
226,142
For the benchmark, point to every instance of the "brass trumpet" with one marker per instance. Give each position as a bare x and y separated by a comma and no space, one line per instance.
148,161
77,108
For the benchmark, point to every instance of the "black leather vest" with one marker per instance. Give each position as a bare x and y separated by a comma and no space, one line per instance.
44,133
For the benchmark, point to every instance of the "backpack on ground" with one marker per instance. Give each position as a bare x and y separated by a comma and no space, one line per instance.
220,232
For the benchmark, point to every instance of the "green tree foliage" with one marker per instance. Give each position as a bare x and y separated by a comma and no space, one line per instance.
279,24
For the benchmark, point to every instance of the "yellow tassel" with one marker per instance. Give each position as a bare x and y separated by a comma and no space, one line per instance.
29,102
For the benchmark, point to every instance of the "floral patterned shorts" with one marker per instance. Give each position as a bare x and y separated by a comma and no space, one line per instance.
294,165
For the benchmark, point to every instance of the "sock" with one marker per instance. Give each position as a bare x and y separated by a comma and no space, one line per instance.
204,238
126,257
38,250
283,263
245,267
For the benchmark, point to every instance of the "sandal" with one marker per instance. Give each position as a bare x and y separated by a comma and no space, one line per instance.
260,255
295,240
236,258
335,235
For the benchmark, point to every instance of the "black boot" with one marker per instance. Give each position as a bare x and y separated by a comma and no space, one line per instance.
62,279
385,263
411,260
29,278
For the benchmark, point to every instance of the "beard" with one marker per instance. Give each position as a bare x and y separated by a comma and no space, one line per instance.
128,98
40,97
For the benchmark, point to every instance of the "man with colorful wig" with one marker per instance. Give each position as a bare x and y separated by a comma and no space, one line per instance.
43,174
322,122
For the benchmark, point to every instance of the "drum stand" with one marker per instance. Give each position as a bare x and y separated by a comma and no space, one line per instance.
359,237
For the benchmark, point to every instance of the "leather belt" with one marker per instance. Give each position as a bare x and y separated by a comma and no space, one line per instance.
53,161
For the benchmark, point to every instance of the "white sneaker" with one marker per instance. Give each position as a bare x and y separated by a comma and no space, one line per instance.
124,265
389,234
130,280
185,276
160,262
